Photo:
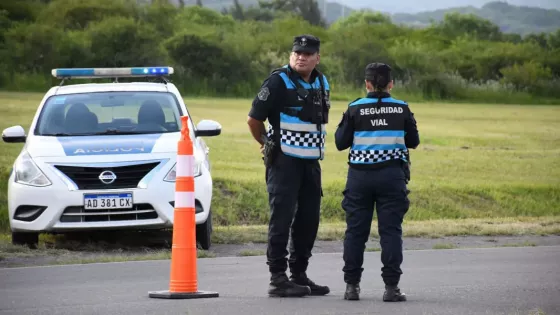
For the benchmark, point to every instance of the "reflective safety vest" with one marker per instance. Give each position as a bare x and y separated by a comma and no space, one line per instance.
299,137
379,130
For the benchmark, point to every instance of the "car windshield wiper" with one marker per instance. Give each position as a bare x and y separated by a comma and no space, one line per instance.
111,131
61,134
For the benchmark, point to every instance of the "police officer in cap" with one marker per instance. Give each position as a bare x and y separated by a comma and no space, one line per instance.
379,130
295,100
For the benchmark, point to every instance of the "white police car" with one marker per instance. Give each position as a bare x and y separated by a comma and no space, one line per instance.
102,156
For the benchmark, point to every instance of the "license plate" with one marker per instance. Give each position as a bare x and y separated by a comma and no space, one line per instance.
108,201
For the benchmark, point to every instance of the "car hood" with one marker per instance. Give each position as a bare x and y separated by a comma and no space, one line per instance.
107,146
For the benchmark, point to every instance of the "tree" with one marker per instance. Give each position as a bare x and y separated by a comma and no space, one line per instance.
308,9
456,24
361,17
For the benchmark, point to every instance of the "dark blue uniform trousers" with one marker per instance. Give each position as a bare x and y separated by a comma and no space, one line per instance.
294,187
384,188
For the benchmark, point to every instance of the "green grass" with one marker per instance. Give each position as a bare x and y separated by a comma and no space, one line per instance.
444,246
522,244
252,252
411,228
475,161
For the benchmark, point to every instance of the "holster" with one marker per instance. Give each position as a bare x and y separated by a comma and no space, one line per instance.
269,152
406,168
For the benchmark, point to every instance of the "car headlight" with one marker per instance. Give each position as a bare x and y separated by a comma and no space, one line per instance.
171,175
27,173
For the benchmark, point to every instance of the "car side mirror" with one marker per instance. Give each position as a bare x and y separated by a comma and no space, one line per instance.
14,134
208,128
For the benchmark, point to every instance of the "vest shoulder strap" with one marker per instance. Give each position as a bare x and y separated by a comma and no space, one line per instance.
352,102
322,79
277,70
285,70
357,99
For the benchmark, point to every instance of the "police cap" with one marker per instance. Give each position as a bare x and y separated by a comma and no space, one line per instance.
378,73
306,43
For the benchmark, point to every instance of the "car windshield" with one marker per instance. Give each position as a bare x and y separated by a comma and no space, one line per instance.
106,113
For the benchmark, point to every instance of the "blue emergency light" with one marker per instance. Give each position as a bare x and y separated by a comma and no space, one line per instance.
111,72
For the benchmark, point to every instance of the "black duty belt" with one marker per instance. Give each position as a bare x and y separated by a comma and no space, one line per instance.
376,165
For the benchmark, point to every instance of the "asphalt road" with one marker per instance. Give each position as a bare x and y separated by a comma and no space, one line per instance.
470,281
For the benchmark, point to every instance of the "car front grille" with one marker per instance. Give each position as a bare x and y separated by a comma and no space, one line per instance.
140,211
87,177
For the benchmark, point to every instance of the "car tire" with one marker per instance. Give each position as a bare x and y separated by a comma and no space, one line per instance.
29,239
204,233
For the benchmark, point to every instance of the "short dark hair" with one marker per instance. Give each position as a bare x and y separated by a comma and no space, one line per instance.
378,74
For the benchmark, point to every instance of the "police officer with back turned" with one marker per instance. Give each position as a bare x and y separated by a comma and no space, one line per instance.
379,130
295,100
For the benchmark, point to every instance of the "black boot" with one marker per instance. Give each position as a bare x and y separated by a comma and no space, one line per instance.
281,286
393,294
352,292
302,279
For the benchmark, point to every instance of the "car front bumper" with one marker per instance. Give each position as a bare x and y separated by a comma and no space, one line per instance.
59,207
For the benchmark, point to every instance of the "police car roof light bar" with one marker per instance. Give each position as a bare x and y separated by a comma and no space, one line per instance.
92,73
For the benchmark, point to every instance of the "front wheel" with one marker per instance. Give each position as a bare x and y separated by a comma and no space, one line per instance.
29,239
204,233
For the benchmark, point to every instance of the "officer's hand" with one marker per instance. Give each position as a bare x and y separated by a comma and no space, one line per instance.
343,119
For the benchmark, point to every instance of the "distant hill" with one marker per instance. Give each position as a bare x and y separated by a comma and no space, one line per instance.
415,6
510,18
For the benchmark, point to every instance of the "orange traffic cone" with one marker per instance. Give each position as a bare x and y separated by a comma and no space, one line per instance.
183,283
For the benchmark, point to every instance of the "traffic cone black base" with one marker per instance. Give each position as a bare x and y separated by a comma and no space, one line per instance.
182,295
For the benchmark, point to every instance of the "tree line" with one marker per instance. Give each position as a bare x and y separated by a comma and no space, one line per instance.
229,53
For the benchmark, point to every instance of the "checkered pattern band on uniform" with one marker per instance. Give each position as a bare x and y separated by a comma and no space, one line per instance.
302,139
375,156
